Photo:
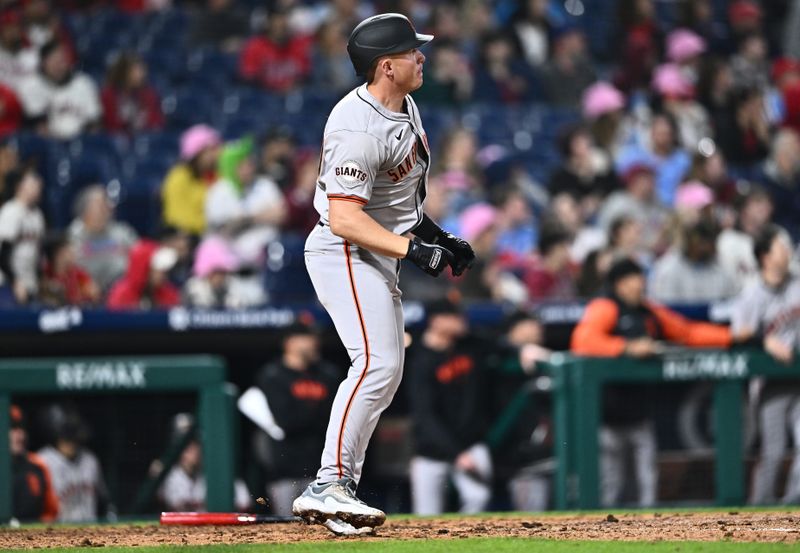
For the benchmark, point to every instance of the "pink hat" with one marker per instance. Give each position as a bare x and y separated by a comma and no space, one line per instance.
693,195
601,98
668,80
196,139
683,44
213,254
476,219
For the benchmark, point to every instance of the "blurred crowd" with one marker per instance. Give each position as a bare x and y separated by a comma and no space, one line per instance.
677,142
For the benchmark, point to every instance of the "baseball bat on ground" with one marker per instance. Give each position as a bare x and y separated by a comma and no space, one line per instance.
221,519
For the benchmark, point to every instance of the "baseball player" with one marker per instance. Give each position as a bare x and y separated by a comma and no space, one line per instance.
371,186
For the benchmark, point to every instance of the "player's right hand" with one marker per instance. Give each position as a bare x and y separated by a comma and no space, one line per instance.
430,258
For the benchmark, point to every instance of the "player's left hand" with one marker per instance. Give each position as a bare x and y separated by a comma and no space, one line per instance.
463,256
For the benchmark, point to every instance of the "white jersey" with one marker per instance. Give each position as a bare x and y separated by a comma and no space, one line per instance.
77,483
374,157
68,108
23,226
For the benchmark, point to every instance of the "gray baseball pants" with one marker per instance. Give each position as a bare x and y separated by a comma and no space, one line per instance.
775,414
359,290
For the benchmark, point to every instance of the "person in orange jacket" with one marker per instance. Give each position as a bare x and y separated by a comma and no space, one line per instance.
33,496
625,323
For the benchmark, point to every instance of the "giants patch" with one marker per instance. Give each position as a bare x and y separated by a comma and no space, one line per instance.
350,174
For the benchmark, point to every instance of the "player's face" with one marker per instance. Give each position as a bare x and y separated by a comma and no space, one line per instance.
630,289
408,69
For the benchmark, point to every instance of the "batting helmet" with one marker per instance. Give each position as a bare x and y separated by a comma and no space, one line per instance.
379,35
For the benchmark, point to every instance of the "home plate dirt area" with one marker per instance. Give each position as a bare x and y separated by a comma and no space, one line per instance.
733,526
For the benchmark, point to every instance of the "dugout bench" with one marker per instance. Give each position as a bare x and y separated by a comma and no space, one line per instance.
203,374
577,384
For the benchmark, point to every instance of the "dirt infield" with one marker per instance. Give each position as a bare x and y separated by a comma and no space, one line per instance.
735,526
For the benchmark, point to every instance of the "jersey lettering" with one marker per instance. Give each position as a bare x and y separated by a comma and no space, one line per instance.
405,167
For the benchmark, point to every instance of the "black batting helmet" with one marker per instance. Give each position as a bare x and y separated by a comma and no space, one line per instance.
379,35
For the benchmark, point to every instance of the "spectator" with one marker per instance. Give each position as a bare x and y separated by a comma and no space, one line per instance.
750,66
581,174
21,232
698,16
299,194
43,25
568,72
101,243
684,48
768,308
501,76
276,60
693,201
691,272
77,478
184,191
735,245
637,200
710,168
518,231
716,93
63,281
183,244
786,79
479,225
745,18
532,29
603,110
458,171
215,285
449,78
9,164
245,208
639,44
10,111
333,70
145,284
566,213
185,488
591,280
746,138
548,275
676,94
625,240
448,411
33,498
782,179
59,101
18,60
625,323
129,103
663,152
276,157
220,24
299,389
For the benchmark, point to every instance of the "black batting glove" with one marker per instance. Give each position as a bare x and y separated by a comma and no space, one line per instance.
463,256
432,259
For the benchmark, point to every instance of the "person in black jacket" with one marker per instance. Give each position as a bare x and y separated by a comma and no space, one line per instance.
448,397
299,388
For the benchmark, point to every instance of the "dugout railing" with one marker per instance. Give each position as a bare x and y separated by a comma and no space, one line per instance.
577,384
204,375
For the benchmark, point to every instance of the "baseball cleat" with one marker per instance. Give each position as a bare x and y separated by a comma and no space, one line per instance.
341,528
336,500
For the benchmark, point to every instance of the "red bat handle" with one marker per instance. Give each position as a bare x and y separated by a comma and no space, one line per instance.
202,519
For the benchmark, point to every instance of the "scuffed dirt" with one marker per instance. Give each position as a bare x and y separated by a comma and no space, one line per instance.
734,526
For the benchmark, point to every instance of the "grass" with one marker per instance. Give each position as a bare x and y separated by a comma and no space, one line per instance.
473,545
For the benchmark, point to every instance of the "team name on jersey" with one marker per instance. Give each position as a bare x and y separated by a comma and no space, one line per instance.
405,167
351,172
